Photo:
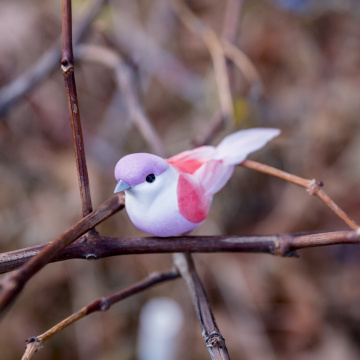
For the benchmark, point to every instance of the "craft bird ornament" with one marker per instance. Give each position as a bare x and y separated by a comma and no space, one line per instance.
169,197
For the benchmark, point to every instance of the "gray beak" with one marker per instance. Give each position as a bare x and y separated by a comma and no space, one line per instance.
121,186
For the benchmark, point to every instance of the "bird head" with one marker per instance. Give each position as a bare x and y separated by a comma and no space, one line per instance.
140,168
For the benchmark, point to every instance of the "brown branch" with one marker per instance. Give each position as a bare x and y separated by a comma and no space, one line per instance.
313,187
246,67
102,304
214,341
95,247
231,19
12,284
216,51
67,66
111,59
45,65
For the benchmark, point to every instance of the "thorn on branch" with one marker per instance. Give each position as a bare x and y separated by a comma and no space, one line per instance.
283,246
314,187
31,339
66,66
215,339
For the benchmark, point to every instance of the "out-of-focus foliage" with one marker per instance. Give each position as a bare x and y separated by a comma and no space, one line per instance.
308,56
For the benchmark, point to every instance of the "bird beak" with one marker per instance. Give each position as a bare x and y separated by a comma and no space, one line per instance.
121,186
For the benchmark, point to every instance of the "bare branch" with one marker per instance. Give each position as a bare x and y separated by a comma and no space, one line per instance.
67,66
95,247
231,19
214,341
102,304
313,187
48,62
13,283
113,60
215,48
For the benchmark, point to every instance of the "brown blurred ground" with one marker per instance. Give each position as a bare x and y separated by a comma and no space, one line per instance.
266,307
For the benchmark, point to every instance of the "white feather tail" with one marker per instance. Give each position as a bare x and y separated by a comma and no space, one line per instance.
236,147
232,150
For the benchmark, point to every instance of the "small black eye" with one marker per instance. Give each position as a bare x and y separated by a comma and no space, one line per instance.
150,178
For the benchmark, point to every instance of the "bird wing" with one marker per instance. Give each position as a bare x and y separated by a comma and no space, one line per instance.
213,175
193,202
212,167
191,160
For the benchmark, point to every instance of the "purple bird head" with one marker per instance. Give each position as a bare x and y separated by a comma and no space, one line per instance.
134,168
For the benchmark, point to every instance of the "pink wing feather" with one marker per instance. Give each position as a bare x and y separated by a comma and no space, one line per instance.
206,169
191,160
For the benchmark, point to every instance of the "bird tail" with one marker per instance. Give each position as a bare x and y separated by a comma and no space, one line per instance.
232,150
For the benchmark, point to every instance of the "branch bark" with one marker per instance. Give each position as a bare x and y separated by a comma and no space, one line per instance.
102,304
67,66
313,187
12,284
93,247
214,341
45,65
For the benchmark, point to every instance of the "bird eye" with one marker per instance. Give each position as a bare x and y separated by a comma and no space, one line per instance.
150,178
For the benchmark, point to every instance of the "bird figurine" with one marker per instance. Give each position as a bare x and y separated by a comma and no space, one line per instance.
170,197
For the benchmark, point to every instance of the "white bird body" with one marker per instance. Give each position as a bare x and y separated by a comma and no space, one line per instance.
173,196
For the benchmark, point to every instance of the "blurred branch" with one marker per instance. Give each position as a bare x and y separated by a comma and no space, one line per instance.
214,341
313,187
231,19
35,343
239,59
111,59
246,67
93,247
154,60
215,48
12,284
49,61
67,66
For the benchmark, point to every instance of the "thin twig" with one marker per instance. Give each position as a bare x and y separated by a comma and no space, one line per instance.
67,66
12,284
45,65
102,304
231,19
215,48
95,247
313,187
153,60
214,341
113,60
246,67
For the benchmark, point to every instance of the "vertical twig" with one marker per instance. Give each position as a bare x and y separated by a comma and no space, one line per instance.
231,19
67,66
213,43
214,341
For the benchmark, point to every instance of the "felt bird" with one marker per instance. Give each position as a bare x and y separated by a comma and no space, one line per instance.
169,197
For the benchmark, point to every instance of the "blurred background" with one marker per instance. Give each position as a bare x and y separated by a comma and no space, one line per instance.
307,54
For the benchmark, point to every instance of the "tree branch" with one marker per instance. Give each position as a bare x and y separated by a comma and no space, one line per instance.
67,66
112,60
212,42
102,304
313,187
214,341
94,247
12,284
45,65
